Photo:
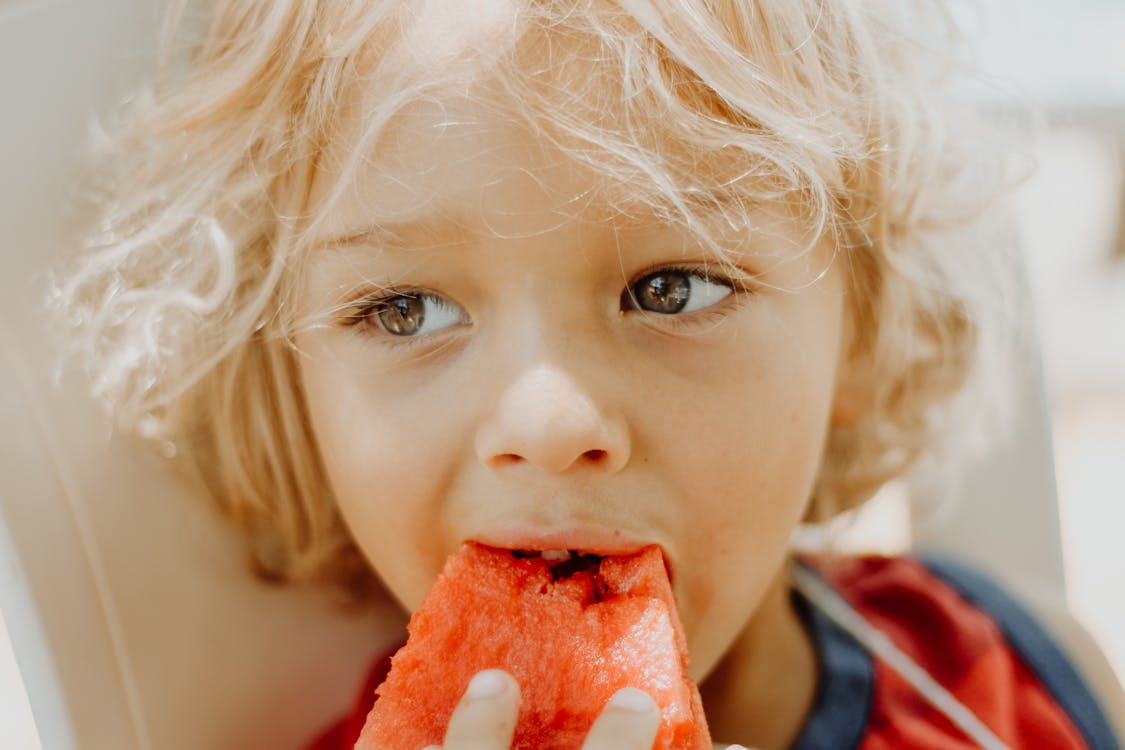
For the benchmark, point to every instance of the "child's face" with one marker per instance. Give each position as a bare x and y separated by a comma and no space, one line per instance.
525,402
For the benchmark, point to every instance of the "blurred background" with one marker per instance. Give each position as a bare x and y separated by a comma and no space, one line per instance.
1068,60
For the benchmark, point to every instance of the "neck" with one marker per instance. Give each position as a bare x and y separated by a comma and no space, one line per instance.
761,691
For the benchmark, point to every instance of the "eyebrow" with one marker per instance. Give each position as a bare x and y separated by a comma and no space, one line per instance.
393,235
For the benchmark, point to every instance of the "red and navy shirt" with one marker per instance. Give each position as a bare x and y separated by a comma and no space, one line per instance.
971,637
967,633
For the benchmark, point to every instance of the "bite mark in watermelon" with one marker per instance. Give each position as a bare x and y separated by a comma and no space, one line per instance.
571,635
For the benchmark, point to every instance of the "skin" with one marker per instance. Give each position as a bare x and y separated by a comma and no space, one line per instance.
538,411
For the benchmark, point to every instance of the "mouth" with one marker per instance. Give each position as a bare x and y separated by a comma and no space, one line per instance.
569,548
566,562
563,563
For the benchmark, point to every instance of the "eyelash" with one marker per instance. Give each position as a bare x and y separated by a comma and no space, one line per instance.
367,305
685,270
363,308
738,289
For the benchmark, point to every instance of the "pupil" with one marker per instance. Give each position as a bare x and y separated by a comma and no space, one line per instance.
664,293
403,316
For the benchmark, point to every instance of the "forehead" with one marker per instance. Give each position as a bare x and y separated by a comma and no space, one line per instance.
463,164
467,120
427,128
457,100
435,159
450,174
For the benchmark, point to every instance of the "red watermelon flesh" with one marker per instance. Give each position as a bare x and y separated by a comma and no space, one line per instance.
571,635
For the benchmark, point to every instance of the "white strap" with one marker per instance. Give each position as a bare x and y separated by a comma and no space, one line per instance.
843,614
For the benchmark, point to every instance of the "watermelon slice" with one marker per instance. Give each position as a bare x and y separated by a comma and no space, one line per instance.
572,633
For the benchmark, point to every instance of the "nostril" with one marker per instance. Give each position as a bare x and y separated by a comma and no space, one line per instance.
596,457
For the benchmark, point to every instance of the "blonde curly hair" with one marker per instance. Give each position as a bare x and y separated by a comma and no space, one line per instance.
182,302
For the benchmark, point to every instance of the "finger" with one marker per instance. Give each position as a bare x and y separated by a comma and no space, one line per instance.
485,719
629,721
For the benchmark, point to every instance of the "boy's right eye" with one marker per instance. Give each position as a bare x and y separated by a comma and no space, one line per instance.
408,314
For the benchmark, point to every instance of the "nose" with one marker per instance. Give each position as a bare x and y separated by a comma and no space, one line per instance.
548,420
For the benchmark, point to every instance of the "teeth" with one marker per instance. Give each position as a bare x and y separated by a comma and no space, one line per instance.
555,555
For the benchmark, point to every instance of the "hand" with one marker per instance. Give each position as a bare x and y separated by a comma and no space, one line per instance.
485,719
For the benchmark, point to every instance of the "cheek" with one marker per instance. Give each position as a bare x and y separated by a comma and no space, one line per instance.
759,435
357,439
747,457
378,453
748,480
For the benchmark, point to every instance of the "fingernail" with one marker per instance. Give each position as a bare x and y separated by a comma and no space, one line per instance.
633,700
486,684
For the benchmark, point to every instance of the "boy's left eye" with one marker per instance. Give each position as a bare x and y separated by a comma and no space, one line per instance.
672,291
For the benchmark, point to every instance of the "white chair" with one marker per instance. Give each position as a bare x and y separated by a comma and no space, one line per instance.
131,613
130,610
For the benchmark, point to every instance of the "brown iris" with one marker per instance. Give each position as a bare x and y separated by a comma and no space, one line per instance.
666,292
402,316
